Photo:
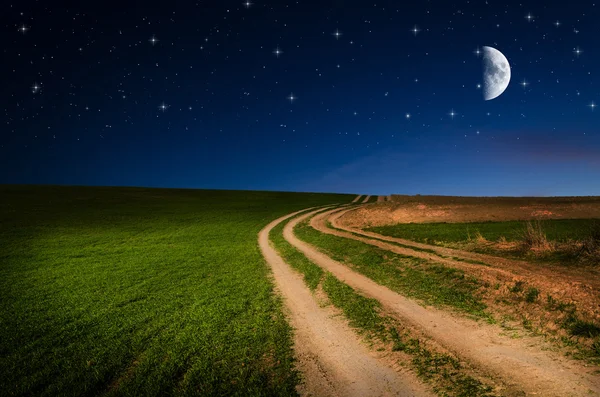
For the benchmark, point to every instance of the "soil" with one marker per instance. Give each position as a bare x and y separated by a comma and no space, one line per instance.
578,285
331,358
422,209
519,363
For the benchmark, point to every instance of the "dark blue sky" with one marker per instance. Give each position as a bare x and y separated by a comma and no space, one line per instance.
390,104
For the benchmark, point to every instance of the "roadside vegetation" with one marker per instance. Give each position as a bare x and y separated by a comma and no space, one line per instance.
429,282
519,305
130,291
559,241
439,368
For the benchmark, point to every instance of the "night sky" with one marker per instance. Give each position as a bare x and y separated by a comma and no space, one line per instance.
333,96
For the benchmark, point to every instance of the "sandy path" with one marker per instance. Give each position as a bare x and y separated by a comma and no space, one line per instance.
331,357
380,199
357,198
366,199
517,362
558,280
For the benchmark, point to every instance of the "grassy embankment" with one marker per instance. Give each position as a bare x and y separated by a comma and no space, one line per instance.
141,291
441,369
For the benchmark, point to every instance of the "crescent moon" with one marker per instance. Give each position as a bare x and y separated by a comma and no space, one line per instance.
496,73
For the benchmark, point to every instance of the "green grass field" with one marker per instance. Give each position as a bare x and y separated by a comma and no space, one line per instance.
565,236
556,230
127,291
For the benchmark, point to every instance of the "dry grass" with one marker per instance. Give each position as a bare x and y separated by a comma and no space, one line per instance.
534,238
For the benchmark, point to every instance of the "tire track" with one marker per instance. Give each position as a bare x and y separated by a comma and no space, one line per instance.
517,362
331,357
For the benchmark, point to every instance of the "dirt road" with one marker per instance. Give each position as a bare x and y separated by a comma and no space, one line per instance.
366,199
567,283
357,198
330,356
520,363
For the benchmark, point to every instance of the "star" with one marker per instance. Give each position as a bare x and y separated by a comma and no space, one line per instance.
337,34
163,107
577,51
23,29
248,4
524,83
592,105
452,114
292,98
415,30
529,17
277,52
35,88
478,86
407,116
477,51
153,40
557,23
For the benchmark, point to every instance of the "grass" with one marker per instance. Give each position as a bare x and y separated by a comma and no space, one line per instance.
564,241
364,314
432,283
125,291
560,230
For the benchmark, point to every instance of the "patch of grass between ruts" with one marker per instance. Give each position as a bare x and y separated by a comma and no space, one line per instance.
432,283
364,314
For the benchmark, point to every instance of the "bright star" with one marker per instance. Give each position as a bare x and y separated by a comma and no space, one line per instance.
35,88
577,51
452,114
337,34
292,98
407,116
415,30
277,52
557,23
529,17
477,51
163,107
153,40
23,29
248,4
478,86
524,83
592,105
